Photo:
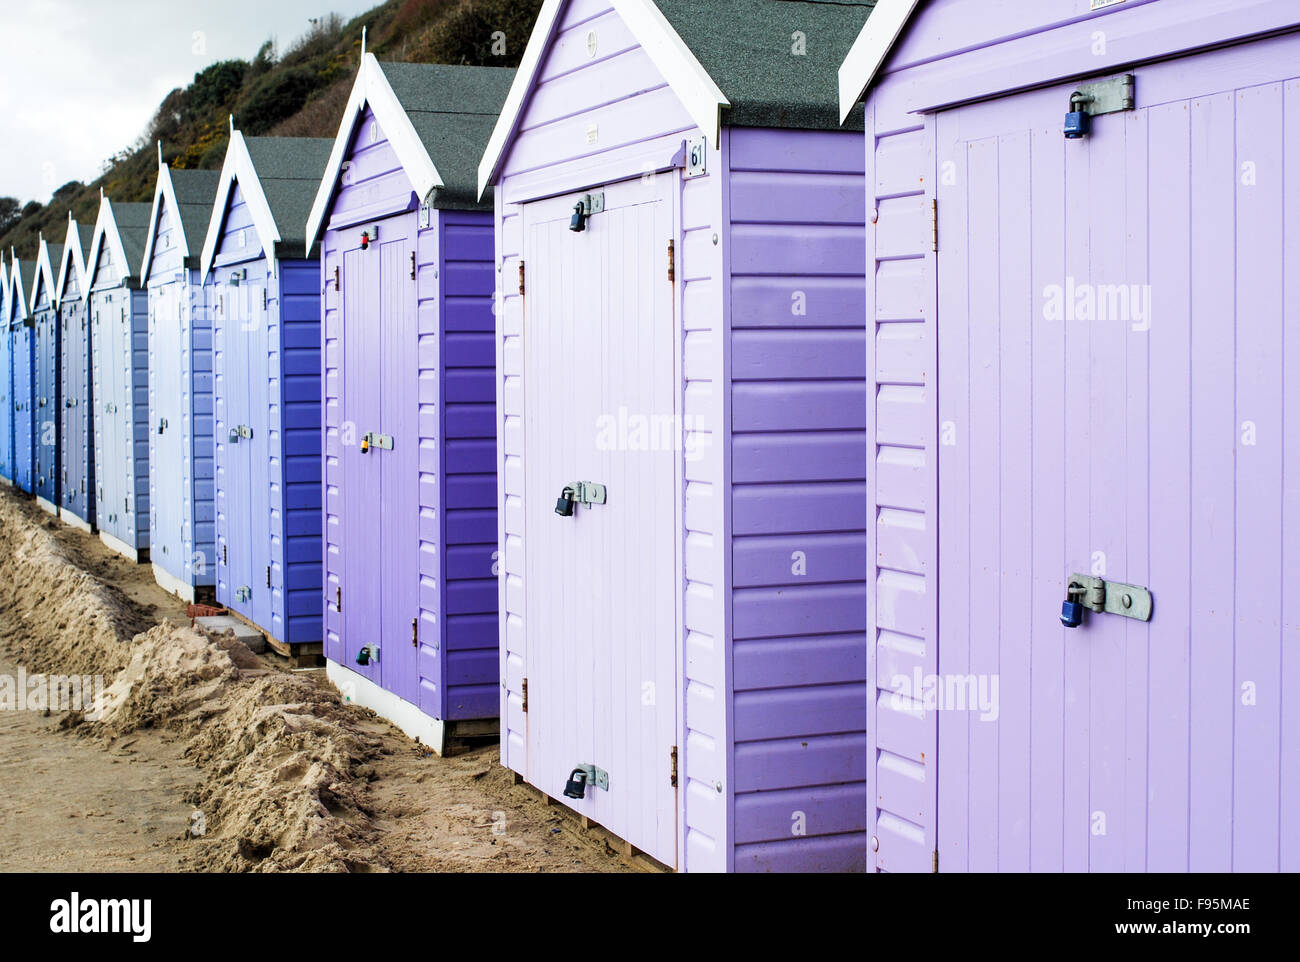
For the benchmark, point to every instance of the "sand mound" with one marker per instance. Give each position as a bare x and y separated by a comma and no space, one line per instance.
284,759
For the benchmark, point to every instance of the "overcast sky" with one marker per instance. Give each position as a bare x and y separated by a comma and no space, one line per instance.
80,79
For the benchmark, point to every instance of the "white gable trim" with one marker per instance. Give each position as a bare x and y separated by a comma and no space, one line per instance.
44,270
372,89
164,189
868,53
17,296
106,232
4,291
72,258
662,44
239,169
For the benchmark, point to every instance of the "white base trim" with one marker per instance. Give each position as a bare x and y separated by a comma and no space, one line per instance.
47,506
360,690
173,585
127,551
73,521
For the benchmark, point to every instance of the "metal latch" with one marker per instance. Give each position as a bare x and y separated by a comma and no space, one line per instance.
1110,597
240,431
587,492
382,441
1109,96
244,594
583,777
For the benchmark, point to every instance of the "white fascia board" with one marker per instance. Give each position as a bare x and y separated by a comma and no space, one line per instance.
238,169
869,51
163,191
44,271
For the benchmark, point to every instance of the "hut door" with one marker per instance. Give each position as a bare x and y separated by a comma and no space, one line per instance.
1111,402
261,474
600,585
166,451
381,507
108,469
235,557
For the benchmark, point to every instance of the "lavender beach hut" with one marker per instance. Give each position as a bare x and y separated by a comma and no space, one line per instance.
22,275
410,600
48,391
680,224
1085,239
263,282
76,426
182,516
118,307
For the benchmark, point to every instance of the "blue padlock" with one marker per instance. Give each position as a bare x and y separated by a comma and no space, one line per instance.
1076,125
1071,614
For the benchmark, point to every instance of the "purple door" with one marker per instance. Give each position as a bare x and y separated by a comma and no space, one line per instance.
601,595
1111,403
235,525
380,446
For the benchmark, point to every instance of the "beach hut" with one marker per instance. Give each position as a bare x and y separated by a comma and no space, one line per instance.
48,391
77,448
182,521
6,382
680,246
1085,239
119,321
410,473
22,275
264,288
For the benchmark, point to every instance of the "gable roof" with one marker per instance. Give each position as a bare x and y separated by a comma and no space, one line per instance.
427,112
22,278
278,177
870,49
188,194
50,254
124,229
4,291
734,67
76,248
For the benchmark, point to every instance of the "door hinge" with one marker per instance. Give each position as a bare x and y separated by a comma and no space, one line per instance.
268,576
338,599
934,225
415,632
412,265
266,299
336,278
936,860
673,756
672,261
224,560
524,690
521,278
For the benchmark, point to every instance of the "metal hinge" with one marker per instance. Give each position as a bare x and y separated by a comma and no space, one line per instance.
521,278
524,690
412,265
936,860
336,278
338,599
224,560
672,261
934,225
268,576
415,632
266,298
673,755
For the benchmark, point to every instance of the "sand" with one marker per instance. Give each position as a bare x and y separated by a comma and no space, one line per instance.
201,756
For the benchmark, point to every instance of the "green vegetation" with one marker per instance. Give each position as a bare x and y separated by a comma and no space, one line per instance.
299,92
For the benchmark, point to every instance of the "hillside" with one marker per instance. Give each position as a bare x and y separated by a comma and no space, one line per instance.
298,92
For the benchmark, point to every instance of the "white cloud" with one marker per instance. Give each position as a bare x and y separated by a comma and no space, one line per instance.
81,79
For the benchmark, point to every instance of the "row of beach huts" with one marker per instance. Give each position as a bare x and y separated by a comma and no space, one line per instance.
816,436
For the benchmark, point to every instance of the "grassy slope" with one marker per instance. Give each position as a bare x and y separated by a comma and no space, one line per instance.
300,94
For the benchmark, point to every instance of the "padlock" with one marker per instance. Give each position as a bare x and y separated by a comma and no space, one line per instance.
576,786
1078,122
365,444
578,222
1071,614
363,657
564,508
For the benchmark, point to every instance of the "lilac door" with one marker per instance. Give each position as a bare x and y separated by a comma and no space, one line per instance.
1111,402
45,344
380,497
106,332
601,589
166,449
77,445
235,529
24,407
258,365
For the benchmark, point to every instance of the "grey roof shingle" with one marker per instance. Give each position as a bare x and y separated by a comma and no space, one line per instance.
290,171
453,110
133,228
195,192
747,48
